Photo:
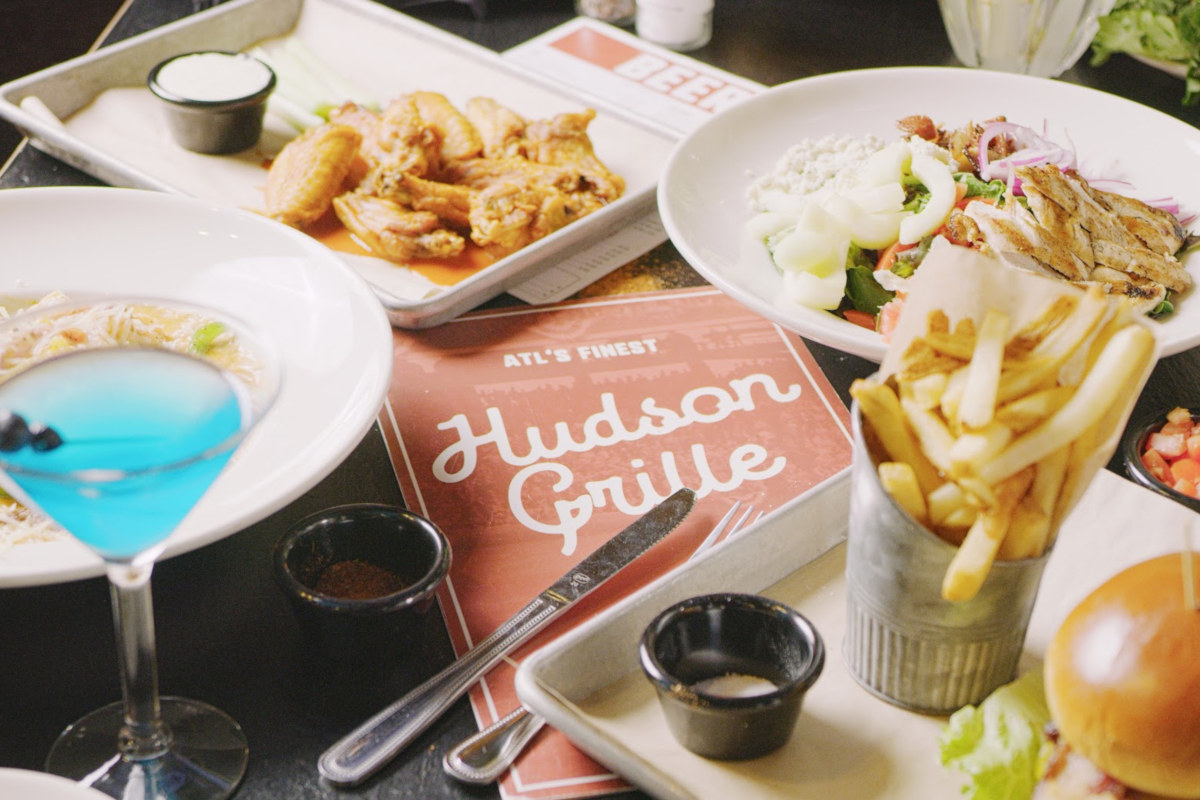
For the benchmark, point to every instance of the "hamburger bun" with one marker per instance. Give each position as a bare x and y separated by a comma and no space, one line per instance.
1123,678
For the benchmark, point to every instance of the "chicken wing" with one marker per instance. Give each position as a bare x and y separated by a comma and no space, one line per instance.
500,128
309,172
394,232
398,140
481,173
507,216
451,202
459,138
414,181
563,141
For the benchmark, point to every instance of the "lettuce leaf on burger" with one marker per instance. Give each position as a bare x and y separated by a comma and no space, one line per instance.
1121,685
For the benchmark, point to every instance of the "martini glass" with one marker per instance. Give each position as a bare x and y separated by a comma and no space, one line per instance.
117,443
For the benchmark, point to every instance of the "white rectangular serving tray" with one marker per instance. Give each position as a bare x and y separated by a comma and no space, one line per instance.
103,121
848,744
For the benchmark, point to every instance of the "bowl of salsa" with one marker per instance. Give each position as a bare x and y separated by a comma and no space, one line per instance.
1162,452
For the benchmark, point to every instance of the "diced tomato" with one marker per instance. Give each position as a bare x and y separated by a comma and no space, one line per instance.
1168,445
860,318
1181,427
960,196
1179,414
889,316
1186,469
1193,446
1158,466
1185,487
887,256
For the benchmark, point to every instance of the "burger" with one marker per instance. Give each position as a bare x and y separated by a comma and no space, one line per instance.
1114,714
1122,683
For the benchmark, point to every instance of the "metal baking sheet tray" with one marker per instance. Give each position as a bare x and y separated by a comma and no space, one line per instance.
848,745
102,120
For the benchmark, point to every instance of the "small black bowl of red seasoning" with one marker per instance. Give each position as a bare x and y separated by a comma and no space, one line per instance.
1162,452
361,577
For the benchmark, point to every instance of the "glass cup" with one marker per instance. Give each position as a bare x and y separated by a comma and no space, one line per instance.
1035,37
143,420
904,642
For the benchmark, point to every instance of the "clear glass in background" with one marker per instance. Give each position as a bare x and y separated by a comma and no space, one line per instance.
1035,37
904,643
616,12
121,481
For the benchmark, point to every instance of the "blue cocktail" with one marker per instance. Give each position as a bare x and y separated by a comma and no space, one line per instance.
142,422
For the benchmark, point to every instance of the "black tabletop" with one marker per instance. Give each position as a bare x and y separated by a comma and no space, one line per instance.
225,633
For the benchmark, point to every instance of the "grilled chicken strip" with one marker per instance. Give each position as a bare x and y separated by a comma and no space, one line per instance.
1144,294
309,172
1014,236
1131,219
1064,196
1081,234
395,232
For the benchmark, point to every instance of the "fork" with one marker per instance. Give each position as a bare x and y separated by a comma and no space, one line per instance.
485,756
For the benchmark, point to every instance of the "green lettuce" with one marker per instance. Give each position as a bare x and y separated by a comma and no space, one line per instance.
1001,744
1168,30
862,290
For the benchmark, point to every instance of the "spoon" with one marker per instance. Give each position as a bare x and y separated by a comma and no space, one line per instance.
485,756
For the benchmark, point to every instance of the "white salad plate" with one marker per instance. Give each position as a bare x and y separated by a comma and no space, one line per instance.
330,329
703,200
25,784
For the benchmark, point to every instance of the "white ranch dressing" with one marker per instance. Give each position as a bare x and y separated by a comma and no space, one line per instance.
735,684
213,76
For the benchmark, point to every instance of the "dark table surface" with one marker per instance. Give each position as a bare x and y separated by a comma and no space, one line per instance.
225,633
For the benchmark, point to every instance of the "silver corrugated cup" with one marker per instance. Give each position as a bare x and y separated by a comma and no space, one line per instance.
903,642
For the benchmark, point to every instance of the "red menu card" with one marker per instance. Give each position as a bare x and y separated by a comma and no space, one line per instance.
532,435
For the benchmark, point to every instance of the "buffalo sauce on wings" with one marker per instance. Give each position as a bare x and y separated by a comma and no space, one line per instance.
425,184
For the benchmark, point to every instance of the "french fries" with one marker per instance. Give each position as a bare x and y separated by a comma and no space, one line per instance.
986,433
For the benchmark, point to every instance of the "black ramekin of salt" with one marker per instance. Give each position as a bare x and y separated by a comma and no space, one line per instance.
215,101
731,672
361,577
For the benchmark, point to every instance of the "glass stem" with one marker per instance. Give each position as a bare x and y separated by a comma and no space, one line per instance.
144,735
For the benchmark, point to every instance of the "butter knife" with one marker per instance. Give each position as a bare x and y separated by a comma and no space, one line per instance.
368,747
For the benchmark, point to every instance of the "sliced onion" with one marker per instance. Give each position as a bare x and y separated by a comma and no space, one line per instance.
1030,146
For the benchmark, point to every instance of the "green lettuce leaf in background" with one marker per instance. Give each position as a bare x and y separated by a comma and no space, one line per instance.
1168,30
1001,744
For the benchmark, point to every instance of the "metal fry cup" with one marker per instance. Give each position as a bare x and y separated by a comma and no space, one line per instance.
903,642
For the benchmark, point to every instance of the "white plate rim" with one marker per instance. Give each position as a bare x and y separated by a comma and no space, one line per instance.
28,783
696,180
241,496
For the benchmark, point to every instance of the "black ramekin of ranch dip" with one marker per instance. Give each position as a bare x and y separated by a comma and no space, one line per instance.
215,100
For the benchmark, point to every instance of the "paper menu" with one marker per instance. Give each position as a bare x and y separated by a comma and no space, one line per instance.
647,83
531,435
